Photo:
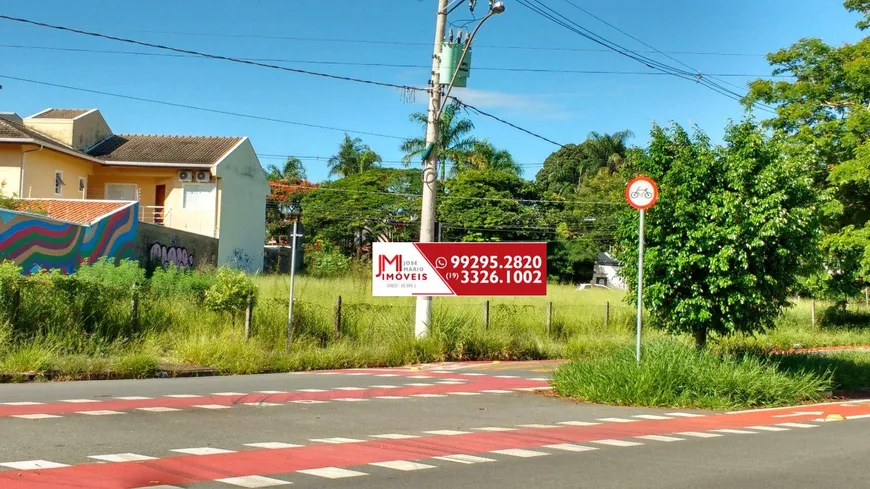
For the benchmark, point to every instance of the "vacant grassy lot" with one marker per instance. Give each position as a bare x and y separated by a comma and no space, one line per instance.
83,326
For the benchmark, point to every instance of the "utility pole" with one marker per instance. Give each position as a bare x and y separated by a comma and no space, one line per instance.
423,315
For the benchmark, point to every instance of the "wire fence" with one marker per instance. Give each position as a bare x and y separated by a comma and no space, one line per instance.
86,315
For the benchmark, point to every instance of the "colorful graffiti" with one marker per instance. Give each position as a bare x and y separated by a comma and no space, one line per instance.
171,255
36,243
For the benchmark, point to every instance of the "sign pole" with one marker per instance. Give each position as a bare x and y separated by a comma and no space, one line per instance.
641,193
639,284
292,280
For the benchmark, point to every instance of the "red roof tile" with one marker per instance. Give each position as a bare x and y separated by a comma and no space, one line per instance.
77,211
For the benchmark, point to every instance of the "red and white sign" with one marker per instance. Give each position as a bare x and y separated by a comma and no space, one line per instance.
641,193
459,269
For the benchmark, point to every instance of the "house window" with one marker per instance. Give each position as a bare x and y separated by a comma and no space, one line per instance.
58,182
83,184
121,191
198,196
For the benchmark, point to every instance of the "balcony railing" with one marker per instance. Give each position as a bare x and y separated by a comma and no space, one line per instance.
155,214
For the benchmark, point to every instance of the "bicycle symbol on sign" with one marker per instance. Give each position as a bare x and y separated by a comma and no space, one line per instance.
642,192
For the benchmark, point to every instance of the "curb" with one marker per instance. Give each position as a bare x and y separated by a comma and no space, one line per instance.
163,372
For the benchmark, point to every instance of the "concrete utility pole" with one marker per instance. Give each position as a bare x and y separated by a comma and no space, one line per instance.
423,315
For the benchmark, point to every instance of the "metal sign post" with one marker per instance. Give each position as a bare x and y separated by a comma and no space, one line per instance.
641,194
295,234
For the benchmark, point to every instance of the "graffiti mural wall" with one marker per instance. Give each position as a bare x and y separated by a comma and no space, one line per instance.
172,255
160,246
35,243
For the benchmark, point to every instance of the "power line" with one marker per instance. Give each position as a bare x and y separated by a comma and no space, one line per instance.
203,109
407,88
491,116
412,43
380,65
569,2
554,16
394,163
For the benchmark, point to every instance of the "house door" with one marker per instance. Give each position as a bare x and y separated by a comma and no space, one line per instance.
160,202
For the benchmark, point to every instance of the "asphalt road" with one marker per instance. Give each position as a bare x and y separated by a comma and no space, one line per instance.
484,426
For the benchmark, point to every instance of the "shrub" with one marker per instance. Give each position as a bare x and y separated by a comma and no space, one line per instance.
840,317
231,292
105,272
675,375
174,282
323,260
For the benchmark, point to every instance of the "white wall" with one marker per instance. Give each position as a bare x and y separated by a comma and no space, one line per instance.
242,220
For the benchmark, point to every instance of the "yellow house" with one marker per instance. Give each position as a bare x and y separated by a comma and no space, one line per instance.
213,186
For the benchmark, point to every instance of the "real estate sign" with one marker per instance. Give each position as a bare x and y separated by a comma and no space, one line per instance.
459,269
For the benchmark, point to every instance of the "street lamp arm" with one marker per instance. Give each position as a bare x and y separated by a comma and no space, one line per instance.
462,58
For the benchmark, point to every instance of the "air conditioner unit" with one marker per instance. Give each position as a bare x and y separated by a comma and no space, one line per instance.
185,176
203,176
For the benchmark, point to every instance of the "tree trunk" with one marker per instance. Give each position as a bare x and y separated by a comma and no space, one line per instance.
701,337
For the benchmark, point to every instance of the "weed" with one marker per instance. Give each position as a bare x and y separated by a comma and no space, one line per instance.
672,374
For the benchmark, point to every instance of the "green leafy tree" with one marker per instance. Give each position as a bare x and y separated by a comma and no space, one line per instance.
725,242
565,170
350,213
825,109
488,206
486,157
353,158
292,169
454,143
231,292
603,151
561,170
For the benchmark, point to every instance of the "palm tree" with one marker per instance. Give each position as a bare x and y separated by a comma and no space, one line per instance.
453,144
353,157
484,156
293,169
603,151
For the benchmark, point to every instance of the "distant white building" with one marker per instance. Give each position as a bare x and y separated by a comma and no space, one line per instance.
606,272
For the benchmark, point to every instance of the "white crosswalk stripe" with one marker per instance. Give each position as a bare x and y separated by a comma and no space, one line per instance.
253,481
516,452
201,451
617,443
272,445
465,459
33,465
121,457
767,428
403,465
699,434
332,473
34,416
660,438
336,441
569,447
798,425
395,436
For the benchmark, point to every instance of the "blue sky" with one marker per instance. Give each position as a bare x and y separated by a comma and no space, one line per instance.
561,106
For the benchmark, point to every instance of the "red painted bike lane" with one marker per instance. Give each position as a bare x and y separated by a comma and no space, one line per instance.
194,469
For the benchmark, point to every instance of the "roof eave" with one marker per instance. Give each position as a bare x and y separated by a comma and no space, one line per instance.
157,164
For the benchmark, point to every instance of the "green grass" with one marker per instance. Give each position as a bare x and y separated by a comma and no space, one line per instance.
90,335
672,374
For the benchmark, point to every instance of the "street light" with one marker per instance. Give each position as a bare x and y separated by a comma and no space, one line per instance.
497,8
423,313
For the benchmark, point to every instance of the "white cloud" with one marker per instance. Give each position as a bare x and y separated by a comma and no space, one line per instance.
527,105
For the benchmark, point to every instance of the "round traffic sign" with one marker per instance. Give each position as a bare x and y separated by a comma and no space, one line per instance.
641,193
